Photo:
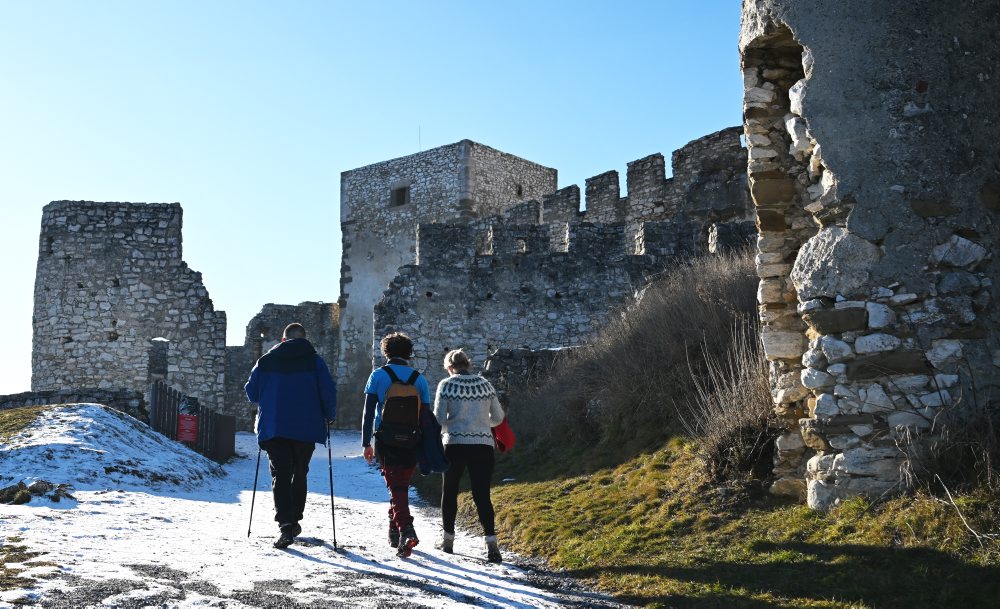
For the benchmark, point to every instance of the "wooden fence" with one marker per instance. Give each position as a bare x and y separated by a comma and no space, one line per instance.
216,437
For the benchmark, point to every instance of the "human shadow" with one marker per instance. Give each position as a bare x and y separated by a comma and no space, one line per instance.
856,575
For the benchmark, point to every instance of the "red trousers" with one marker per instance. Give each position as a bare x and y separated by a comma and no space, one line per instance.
397,480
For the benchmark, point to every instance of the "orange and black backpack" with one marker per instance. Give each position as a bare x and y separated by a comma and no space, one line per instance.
399,425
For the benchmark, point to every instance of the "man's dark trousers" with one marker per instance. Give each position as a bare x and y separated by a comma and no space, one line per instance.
289,464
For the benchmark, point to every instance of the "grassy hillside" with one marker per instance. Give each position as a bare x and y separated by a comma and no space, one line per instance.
656,531
642,466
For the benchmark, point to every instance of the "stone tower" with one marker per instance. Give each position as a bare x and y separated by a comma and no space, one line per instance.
110,278
874,139
382,205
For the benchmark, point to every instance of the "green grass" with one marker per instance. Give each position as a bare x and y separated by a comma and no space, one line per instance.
653,531
14,420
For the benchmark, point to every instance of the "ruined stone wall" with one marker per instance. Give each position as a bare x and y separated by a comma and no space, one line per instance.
873,169
455,183
110,277
523,295
709,185
522,369
321,321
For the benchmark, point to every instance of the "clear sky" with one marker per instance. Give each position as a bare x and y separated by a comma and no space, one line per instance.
247,112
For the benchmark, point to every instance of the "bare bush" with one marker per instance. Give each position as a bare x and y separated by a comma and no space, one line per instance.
623,386
730,411
965,450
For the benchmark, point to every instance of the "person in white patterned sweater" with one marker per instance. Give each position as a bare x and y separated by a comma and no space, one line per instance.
467,407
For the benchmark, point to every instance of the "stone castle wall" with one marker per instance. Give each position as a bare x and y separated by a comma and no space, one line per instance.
321,321
109,279
454,183
872,169
543,275
521,295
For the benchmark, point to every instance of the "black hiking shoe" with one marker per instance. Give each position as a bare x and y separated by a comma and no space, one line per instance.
283,541
408,540
288,533
393,536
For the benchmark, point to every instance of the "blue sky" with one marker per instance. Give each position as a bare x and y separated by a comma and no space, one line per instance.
247,112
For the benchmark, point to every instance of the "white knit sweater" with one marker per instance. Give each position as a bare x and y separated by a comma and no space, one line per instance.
466,406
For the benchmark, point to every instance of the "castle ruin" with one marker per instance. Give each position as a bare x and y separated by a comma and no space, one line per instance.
536,270
874,174
110,279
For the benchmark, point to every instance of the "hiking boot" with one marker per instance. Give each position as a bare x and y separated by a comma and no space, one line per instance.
393,536
292,528
493,550
284,540
408,539
447,543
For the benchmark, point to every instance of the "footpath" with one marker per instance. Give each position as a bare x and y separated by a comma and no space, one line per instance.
158,527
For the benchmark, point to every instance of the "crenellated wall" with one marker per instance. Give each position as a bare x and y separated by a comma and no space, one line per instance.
872,169
545,273
522,295
455,183
110,278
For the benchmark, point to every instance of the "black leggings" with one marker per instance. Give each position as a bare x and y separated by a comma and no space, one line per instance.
479,459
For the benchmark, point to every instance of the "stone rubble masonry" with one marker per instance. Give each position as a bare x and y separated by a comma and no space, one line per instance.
872,173
512,369
522,299
110,278
608,248
321,321
455,183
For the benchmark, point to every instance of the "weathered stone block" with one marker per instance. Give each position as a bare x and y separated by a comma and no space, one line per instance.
884,364
772,191
959,252
836,321
875,343
782,344
833,262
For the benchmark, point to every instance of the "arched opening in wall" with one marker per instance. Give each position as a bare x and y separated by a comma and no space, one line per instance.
779,170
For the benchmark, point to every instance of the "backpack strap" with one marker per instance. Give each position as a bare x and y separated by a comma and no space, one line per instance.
413,377
392,375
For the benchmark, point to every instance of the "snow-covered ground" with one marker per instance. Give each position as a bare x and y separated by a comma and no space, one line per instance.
154,524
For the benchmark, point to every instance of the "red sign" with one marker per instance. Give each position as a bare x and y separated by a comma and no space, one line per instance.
187,428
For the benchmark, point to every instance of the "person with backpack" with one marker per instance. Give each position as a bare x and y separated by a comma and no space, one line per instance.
297,401
467,407
397,401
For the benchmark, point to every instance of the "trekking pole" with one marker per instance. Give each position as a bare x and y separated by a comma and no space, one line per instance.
333,511
254,496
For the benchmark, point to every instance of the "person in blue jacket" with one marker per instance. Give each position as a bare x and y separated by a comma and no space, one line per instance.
399,464
297,401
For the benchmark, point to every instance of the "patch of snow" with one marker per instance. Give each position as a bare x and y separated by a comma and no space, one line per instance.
186,544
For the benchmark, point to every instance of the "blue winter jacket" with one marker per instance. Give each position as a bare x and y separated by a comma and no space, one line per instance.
294,391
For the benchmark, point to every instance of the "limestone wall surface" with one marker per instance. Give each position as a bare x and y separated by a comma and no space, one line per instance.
110,277
454,183
531,299
872,164
321,321
546,273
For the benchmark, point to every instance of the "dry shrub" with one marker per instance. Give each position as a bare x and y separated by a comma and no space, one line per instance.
730,411
623,386
965,453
